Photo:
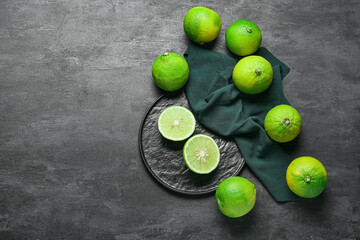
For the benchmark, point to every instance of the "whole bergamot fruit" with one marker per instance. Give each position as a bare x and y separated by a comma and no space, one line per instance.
283,123
252,74
243,37
306,177
235,196
202,25
170,71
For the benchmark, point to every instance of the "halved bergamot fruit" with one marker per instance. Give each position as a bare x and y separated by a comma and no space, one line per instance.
176,123
201,154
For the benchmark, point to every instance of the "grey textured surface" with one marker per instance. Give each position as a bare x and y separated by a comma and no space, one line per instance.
165,161
75,81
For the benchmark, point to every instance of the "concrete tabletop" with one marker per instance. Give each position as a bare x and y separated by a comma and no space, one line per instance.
75,81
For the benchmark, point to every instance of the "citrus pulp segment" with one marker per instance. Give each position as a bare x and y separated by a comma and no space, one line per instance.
176,123
201,154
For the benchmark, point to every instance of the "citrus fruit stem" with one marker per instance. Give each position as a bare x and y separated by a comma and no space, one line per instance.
249,30
258,71
286,121
166,54
307,179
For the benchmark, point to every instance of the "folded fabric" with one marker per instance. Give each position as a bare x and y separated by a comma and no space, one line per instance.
218,105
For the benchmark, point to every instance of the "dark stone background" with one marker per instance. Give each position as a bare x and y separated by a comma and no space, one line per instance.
75,81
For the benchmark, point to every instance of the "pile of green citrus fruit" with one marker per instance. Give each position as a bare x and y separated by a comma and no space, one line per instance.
253,74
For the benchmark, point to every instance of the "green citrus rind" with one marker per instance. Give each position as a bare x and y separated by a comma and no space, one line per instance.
306,177
170,71
243,37
202,25
283,123
235,196
252,75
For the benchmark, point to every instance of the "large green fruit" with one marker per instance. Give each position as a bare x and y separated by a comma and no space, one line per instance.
306,177
243,37
235,196
252,75
170,71
202,25
283,123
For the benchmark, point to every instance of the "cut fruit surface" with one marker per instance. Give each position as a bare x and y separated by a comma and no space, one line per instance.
176,123
201,154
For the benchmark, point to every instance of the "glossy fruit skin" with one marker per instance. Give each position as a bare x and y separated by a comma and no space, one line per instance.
252,75
275,126
202,25
243,37
235,196
170,71
298,172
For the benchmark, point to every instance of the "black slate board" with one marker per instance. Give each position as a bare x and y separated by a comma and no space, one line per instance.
164,159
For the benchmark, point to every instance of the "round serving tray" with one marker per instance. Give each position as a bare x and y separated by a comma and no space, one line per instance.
164,159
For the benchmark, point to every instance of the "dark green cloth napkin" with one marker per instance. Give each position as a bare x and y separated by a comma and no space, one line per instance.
221,107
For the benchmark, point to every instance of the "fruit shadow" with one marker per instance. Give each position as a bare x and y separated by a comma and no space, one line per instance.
313,205
231,54
210,45
238,226
197,179
158,91
292,146
238,58
190,196
316,207
173,145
